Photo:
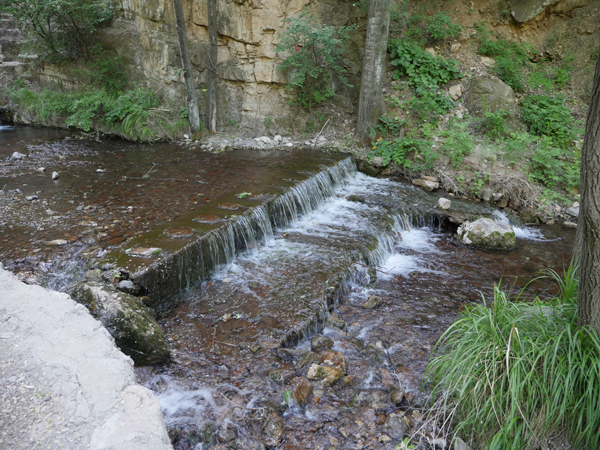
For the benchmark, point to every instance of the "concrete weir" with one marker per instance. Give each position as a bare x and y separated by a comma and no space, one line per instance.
63,382
171,259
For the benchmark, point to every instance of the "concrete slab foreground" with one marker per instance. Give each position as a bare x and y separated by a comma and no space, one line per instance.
63,382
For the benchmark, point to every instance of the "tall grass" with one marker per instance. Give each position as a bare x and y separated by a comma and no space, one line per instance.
513,373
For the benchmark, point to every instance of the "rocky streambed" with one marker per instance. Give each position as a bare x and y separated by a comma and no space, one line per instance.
311,308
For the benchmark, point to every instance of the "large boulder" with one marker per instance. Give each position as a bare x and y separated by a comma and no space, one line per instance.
490,94
127,319
525,10
487,233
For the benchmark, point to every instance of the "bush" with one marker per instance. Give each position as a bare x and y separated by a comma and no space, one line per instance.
422,69
494,124
515,372
440,27
457,142
548,116
61,29
314,56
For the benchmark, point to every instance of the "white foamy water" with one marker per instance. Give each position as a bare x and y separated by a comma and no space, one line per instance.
532,234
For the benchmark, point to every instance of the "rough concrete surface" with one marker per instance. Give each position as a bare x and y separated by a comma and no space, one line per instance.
63,382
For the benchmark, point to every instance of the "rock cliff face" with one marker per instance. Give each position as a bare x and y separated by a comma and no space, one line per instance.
250,88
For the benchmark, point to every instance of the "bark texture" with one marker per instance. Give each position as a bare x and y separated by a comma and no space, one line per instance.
370,103
587,242
186,62
211,88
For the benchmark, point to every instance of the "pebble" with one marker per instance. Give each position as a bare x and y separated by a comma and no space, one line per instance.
40,169
55,175
301,389
57,242
31,198
128,286
443,203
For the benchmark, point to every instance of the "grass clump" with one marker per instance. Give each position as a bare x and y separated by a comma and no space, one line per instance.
513,373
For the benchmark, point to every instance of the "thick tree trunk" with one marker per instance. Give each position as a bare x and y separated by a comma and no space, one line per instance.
211,91
587,245
188,74
370,103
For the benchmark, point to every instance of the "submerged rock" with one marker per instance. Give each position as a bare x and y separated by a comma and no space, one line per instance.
320,343
273,430
127,319
373,302
487,233
301,390
128,286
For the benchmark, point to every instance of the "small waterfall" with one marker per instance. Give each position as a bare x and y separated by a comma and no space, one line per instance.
311,193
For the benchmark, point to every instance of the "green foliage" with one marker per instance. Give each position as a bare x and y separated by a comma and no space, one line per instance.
548,116
514,372
440,27
457,142
61,29
106,72
314,56
134,113
428,105
422,69
511,57
554,166
551,78
494,124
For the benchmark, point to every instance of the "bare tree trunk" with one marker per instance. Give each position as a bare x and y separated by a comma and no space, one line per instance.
587,245
188,74
370,103
211,91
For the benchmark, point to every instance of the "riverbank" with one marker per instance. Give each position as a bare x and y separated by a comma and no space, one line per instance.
63,382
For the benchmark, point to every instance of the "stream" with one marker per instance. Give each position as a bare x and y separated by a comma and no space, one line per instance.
318,334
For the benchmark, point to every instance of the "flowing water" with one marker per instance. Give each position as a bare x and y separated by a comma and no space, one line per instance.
304,265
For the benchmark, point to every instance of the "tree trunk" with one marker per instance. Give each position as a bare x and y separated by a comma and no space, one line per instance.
370,103
211,88
587,242
188,74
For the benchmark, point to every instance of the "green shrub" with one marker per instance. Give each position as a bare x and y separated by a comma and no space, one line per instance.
440,27
511,57
60,29
515,372
314,55
422,69
548,116
457,142
554,166
494,124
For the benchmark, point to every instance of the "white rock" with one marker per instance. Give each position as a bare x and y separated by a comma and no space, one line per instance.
486,194
55,175
572,211
277,139
17,155
378,161
427,185
568,224
322,138
40,169
264,139
289,144
56,242
455,47
455,91
430,50
443,203
487,62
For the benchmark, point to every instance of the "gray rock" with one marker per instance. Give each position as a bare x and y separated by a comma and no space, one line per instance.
397,396
427,185
40,169
489,94
145,252
30,198
17,156
486,194
378,161
264,140
455,91
396,427
277,139
443,203
487,233
57,242
128,286
373,302
572,211
568,224
488,62
497,196
525,10
128,320
459,444
428,178
333,321
320,343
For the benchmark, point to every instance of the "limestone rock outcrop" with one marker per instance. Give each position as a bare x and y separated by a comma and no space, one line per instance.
490,94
